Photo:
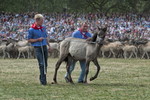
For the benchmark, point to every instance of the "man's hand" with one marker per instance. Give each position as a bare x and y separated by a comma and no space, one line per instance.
40,39
36,40
89,39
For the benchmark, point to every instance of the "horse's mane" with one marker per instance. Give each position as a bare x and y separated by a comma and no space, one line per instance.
94,37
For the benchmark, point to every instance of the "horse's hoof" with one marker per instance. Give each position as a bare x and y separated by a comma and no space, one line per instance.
85,82
53,82
92,78
67,79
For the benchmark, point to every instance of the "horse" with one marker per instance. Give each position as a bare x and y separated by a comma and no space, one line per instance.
80,49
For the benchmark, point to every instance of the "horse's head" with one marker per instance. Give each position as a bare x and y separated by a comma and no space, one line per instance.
101,35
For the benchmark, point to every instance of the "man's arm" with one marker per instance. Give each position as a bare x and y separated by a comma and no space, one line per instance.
35,40
30,37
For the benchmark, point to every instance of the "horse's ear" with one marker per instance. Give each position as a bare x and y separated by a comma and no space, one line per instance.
94,37
98,28
105,29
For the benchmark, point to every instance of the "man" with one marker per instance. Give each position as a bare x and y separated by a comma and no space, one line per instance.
37,37
82,33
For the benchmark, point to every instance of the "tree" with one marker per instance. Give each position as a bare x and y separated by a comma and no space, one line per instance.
123,6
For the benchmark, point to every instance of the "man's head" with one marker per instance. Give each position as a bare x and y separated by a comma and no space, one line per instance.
84,27
39,19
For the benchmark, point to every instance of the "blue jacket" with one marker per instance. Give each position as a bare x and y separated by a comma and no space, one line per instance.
77,34
35,34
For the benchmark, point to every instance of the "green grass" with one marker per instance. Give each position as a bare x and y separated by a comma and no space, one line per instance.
119,79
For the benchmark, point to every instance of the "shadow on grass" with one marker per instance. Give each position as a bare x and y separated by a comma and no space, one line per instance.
21,84
119,84
101,85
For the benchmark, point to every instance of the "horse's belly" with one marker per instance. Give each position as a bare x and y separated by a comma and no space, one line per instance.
78,51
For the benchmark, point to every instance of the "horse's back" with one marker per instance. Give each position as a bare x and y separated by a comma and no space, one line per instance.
75,47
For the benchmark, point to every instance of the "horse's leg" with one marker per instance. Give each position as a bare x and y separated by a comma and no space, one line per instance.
98,69
56,69
61,59
86,71
68,69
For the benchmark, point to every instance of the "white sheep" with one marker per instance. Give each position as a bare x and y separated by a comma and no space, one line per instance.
3,50
131,49
145,49
22,50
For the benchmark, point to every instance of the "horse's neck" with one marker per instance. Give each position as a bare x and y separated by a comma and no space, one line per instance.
97,48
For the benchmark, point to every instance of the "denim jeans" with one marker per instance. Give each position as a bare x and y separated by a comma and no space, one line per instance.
42,56
83,68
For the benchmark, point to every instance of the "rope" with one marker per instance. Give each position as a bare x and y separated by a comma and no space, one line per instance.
43,59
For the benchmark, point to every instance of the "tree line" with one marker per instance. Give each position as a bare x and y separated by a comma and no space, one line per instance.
50,6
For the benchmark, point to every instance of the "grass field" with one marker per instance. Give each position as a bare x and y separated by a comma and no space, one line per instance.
119,79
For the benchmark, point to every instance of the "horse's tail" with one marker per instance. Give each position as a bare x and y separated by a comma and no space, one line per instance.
68,59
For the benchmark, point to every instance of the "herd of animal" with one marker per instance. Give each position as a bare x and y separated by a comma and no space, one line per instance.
116,49
126,49
22,49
